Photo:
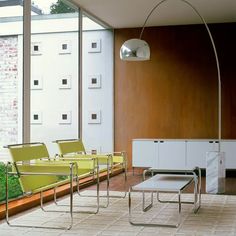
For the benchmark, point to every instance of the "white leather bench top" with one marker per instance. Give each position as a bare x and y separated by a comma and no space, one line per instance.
169,183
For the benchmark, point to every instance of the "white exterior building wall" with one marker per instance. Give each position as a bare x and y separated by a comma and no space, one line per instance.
98,136
50,100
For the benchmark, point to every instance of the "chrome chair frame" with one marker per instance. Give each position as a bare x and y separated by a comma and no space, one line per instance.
71,175
125,167
78,188
63,158
107,196
110,166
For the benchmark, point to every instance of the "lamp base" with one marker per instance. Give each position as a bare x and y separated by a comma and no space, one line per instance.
215,172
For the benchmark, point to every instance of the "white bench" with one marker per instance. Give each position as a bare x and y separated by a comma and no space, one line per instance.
172,181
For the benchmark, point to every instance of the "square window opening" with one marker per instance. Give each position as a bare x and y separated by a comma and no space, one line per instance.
64,116
94,116
64,81
94,45
36,48
64,46
94,80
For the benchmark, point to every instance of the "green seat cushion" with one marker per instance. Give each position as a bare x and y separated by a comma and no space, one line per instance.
118,159
102,159
62,166
36,183
87,164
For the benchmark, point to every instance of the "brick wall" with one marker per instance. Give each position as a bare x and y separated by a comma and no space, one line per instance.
8,92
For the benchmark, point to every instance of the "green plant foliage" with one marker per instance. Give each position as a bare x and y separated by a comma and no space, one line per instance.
13,183
60,7
62,177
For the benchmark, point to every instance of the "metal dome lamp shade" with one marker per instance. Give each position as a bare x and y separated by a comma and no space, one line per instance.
135,50
138,50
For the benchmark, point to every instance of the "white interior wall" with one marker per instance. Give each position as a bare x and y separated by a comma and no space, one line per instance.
98,136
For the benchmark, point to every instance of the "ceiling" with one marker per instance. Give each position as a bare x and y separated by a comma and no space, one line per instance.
132,13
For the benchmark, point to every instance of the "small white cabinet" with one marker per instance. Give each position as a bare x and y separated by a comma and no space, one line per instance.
145,153
196,152
229,147
162,154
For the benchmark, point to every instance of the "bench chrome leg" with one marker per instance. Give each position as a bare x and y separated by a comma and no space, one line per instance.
179,199
197,190
145,209
153,224
197,194
171,201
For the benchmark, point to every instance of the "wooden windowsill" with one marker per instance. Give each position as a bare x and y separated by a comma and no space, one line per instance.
25,203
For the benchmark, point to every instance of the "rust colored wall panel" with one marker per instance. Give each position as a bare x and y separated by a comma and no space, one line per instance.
175,94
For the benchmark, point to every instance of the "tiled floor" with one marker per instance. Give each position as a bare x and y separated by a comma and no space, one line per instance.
217,216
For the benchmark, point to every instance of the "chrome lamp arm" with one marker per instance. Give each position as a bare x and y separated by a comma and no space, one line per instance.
138,50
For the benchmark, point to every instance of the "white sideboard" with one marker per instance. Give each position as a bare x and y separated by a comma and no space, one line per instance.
179,153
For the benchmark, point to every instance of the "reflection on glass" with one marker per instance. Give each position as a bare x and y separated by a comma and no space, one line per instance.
54,6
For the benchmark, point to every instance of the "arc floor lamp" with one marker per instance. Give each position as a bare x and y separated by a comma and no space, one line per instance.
139,50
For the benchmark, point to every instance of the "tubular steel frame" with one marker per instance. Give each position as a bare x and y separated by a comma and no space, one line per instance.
196,202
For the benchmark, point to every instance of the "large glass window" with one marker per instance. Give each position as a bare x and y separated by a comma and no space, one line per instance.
11,67
54,72
56,89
